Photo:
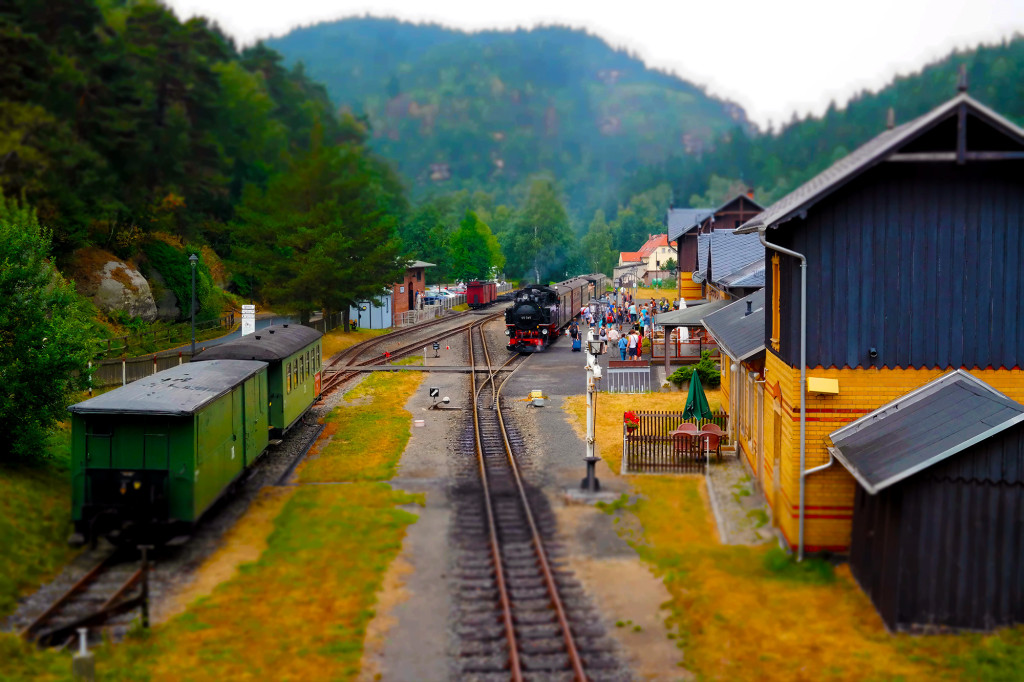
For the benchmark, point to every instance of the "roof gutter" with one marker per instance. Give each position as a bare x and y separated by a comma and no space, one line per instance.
803,375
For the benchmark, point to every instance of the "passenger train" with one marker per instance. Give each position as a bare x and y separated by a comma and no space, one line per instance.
148,459
540,312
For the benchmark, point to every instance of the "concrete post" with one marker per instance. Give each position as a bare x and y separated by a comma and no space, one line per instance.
83,665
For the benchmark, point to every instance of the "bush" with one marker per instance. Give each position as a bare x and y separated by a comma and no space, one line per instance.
46,336
706,369
173,264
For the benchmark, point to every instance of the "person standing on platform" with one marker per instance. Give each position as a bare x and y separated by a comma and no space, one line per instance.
623,346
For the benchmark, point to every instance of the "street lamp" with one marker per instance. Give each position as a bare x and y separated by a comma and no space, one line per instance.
193,259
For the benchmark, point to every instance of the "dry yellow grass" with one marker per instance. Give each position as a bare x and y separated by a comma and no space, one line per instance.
366,433
300,610
336,341
736,618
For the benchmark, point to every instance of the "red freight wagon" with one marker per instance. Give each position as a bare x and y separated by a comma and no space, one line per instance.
479,294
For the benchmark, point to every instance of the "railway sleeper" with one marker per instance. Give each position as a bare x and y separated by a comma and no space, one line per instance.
484,664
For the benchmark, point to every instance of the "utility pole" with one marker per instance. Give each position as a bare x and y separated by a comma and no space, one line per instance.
193,259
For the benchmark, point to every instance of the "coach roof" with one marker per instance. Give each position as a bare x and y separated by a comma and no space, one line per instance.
177,392
269,344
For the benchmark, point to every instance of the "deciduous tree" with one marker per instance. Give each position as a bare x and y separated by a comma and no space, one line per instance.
45,338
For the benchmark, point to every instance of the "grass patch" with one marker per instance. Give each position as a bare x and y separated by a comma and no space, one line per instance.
751,613
812,570
367,438
35,519
300,610
336,341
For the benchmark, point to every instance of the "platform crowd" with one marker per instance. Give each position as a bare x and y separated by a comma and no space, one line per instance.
623,325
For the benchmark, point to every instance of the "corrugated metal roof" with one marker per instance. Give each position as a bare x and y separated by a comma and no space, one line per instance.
691,314
739,335
923,428
178,392
867,155
420,264
730,252
682,220
269,344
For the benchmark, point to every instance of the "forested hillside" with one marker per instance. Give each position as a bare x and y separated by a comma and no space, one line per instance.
486,110
776,162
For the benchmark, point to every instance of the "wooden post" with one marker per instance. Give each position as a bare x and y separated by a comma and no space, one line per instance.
124,371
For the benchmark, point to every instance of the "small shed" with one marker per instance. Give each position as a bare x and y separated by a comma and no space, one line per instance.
938,520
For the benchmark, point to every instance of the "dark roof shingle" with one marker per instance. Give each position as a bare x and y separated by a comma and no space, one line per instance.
682,220
864,157
738,334
922,428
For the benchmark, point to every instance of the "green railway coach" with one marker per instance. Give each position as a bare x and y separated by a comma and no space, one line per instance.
293,355
149,458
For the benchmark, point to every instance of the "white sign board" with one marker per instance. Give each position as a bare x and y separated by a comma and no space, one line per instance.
248,319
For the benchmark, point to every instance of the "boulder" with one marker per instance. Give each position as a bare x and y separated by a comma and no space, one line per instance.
122,287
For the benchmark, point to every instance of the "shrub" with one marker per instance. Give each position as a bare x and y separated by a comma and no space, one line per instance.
706,369
173,264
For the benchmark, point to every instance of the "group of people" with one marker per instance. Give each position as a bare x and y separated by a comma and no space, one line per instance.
623,326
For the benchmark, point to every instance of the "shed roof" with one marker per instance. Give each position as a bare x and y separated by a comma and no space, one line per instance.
630,257
738,334
867,155
682,220
922,428
420,264
268,344
177,392
730,252
748,276
690,315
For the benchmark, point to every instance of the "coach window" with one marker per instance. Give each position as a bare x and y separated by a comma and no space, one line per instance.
288,380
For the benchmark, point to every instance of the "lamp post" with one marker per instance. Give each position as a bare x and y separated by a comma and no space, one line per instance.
594,349
193,259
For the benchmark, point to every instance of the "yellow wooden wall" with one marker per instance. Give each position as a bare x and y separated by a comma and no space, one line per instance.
830,494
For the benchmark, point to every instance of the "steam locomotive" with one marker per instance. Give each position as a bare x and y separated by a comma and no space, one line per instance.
539,313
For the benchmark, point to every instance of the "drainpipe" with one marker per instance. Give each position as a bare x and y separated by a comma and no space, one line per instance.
803,376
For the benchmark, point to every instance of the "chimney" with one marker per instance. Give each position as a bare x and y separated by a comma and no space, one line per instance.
890,119
961,85
750,308
750,192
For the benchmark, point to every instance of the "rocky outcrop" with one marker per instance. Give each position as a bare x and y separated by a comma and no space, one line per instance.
122,287
166,302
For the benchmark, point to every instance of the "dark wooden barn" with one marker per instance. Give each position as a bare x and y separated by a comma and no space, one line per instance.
914,244
938,521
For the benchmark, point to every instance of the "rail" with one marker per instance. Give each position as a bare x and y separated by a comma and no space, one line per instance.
488,464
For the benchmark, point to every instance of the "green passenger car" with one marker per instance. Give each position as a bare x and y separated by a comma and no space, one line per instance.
148,458
292,353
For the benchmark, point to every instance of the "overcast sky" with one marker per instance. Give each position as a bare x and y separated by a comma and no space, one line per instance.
773,57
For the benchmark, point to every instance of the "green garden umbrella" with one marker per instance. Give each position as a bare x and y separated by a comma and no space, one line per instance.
696,402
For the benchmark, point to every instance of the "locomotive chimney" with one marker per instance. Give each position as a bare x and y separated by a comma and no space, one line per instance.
750,308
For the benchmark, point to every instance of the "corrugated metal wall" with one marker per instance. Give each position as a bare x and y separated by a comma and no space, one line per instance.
921,261
946,547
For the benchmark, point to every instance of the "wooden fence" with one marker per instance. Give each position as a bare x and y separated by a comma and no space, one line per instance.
650,449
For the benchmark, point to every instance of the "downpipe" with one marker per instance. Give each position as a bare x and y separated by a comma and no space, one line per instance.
803,380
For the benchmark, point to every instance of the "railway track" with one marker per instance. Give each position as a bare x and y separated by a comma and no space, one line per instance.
113,587
335,369
521,615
